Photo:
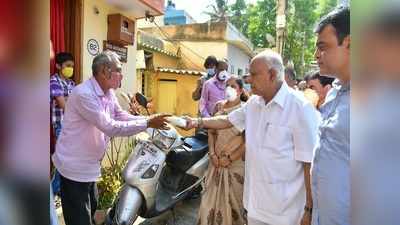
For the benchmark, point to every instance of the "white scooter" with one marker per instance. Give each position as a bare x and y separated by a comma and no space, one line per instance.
162,171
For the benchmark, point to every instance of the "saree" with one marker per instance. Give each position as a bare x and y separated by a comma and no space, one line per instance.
222,197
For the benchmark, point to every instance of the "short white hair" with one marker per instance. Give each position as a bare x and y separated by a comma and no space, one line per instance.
274,61
106,58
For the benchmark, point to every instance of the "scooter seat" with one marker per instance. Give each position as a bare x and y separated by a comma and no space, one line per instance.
185,156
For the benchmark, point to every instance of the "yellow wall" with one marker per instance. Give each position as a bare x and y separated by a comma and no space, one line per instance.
162,60
95,27
185,86
204,49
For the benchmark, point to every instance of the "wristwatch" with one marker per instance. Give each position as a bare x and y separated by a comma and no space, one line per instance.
199,122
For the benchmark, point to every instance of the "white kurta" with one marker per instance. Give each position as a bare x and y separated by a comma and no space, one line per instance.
280,136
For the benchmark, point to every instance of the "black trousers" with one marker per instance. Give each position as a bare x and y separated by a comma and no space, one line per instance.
79,201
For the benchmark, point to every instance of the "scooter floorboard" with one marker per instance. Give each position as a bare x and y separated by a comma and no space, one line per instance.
164,202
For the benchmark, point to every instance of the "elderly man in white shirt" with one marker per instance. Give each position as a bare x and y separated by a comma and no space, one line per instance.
281,130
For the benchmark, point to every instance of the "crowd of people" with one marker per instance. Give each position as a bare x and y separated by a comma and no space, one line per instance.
294,138
279,149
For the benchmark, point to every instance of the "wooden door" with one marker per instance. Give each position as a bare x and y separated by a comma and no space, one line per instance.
166,100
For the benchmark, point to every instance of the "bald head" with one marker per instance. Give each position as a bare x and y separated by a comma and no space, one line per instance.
270,60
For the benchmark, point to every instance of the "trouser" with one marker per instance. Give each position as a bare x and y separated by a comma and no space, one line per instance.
79,201
252,221
53,214
56,183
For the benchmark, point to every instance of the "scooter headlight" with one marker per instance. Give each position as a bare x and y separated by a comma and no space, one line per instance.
150,172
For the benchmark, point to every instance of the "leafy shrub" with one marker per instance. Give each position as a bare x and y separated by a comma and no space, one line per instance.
111,178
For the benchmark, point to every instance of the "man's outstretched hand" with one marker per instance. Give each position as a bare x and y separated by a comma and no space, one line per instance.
190,123
158,121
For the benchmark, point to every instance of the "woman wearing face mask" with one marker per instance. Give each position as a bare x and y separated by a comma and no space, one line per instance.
221,202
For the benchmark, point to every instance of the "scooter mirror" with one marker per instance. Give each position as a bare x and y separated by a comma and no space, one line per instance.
141,99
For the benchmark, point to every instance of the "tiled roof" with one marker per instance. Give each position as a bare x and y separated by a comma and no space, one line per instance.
157,49
181,71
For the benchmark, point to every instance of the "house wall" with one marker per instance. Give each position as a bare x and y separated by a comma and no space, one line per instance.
194,49
233,34
197,41
143,23
162,60
238,59
185,105
95,27
220,49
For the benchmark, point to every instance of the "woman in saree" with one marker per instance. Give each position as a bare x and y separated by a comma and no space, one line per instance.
222,198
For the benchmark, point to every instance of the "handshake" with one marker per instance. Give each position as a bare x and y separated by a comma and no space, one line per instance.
159,121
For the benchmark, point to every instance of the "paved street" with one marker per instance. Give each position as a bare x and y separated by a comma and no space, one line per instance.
185,214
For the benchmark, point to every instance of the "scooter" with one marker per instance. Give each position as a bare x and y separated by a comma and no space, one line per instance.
161,171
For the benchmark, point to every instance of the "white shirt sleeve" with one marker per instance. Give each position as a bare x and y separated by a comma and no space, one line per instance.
238,117
305,133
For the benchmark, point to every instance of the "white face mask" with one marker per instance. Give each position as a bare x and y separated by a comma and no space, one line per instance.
230,94
223,75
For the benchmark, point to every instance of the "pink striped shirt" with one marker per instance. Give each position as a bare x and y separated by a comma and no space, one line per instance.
213,92
91,118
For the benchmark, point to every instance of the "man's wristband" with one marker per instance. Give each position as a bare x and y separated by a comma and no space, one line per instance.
199,122
148,120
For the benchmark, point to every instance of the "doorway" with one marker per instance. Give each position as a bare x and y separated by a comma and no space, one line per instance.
166,101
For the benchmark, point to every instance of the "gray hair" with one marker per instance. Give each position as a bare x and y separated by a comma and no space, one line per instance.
273,61
107,59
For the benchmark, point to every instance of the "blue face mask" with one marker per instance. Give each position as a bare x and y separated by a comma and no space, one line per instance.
211,72
247,87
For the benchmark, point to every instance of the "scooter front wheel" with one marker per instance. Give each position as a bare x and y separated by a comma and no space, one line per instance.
126,207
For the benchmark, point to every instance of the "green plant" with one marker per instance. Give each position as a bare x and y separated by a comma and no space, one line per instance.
219,11
257,22
111,179
109,185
